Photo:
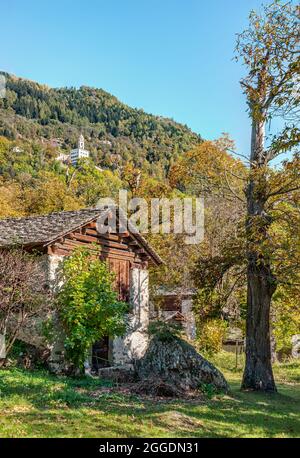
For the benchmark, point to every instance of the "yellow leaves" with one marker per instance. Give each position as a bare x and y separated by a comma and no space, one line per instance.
4,145
285,315
9,203
49,194
208,168
211,335
131,175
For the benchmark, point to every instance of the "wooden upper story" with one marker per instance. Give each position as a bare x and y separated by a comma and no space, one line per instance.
58,234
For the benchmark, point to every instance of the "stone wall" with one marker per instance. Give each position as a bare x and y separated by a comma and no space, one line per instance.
186,310
123,350
189,324
54,263
32,332
57,357
134,344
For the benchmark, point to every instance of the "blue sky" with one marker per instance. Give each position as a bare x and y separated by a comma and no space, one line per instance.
170,57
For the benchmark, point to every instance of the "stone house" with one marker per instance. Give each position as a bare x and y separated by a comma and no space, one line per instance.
234,341
128,254
174,306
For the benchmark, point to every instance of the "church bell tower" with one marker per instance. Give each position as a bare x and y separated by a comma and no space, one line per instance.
81,142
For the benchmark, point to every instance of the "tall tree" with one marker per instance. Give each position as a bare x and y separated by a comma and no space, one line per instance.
269,48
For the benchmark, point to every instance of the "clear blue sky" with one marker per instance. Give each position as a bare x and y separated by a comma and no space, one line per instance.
169,57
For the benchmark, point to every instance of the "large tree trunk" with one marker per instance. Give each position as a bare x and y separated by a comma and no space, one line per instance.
258,374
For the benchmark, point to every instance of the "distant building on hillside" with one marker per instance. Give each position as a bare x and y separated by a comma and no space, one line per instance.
79,152
65,158
56,142
17,149
105,142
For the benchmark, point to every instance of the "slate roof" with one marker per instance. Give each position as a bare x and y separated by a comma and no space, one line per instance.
45,229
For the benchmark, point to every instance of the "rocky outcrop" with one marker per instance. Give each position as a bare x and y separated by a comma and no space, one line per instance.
177,362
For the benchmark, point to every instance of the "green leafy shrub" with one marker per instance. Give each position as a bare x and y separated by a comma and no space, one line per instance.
88,306
208,389
210,335
286,318
165,331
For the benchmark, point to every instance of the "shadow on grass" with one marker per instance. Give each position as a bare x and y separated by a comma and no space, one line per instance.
65,407
40,388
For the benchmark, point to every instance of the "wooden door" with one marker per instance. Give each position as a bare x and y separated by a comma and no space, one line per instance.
121,268
100,354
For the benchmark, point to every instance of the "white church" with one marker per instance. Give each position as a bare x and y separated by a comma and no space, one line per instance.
79,152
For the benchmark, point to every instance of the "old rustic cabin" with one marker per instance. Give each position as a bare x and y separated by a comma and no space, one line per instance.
175,306
128,254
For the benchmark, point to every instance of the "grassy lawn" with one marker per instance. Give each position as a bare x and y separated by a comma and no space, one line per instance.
35,404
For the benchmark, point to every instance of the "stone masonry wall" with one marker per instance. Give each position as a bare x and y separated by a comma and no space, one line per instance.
134,344
57,358
31,333
124,349
189,323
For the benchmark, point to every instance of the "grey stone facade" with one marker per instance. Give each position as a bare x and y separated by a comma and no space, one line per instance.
32,332
123,350
134,344
57,357
189,323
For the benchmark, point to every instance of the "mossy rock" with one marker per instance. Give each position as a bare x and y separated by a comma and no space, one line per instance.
177,362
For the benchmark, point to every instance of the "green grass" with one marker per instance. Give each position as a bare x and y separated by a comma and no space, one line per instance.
35,404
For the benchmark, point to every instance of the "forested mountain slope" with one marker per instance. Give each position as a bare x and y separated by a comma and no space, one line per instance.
115,133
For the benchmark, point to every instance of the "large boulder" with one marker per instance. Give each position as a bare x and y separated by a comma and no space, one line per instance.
176,362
